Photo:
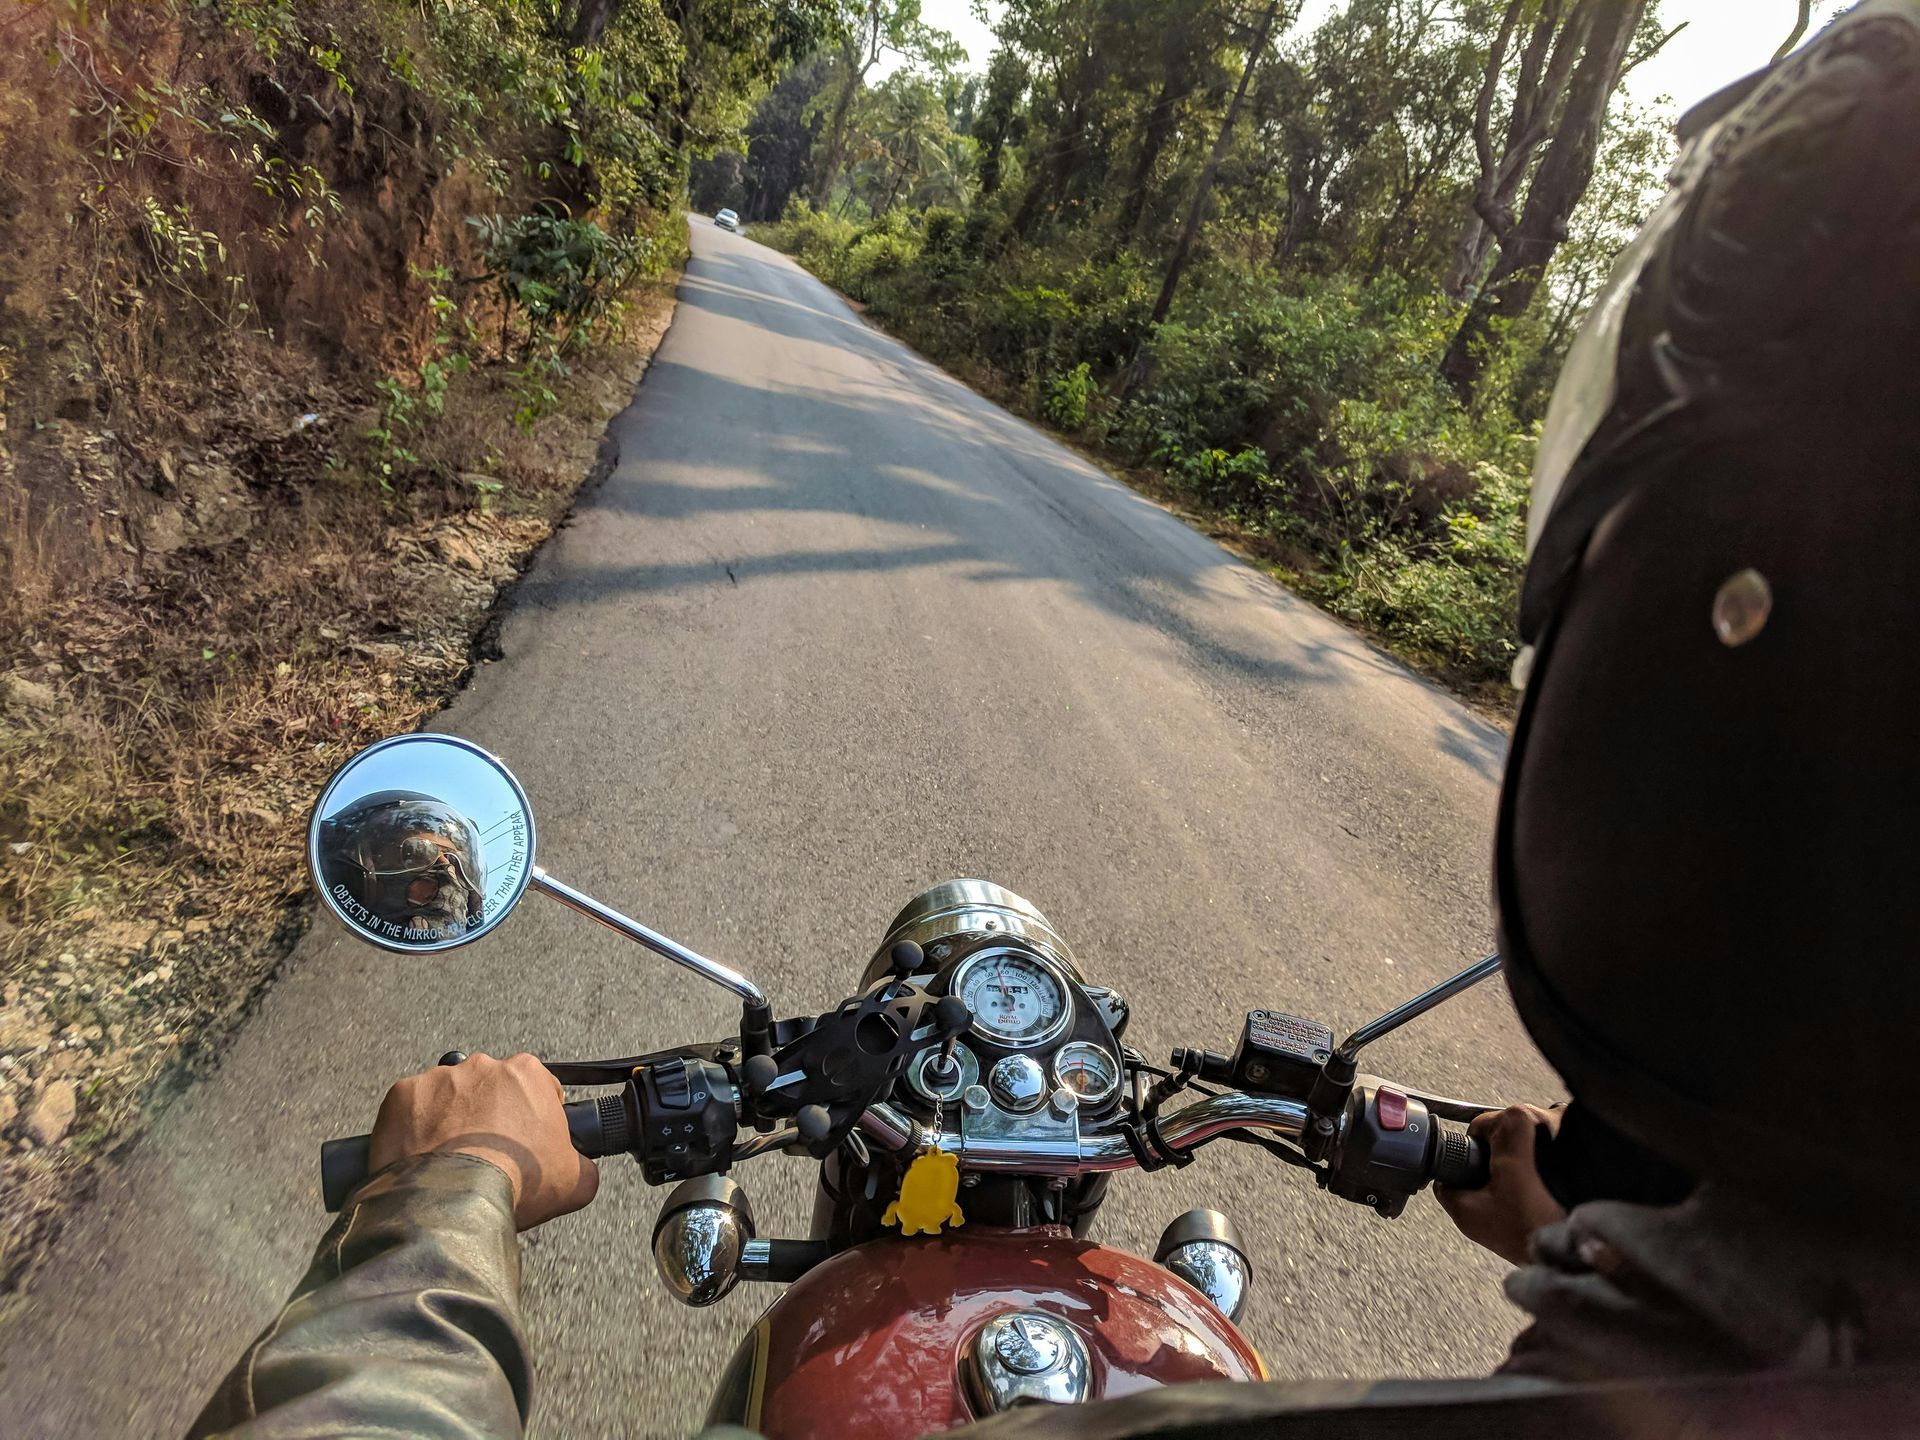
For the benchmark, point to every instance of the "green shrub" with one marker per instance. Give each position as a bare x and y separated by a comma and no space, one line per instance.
873,259
813,237
941,230
1068,396
564,275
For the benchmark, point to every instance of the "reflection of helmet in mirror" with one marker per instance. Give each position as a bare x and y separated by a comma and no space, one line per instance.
1708,825
410,860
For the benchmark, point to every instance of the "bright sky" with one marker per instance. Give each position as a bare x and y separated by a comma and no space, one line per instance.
1724,40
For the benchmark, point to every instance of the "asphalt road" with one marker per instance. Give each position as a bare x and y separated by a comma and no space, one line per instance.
835,628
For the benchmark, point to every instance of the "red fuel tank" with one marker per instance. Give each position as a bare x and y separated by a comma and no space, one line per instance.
869,1343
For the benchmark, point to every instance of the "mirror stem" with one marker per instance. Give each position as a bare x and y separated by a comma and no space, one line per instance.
1398,1016
712,970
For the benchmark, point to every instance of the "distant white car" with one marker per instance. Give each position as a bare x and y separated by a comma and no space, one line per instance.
727,220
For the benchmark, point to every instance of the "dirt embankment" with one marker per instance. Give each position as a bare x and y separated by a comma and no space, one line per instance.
233,546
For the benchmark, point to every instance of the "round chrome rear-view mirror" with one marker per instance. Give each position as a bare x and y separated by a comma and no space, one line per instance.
421,843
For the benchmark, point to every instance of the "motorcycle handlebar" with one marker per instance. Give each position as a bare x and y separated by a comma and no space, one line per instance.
597,1128
1457,1159
601,1127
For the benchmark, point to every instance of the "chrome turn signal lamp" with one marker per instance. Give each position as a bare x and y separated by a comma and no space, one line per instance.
701,1237
1204,1249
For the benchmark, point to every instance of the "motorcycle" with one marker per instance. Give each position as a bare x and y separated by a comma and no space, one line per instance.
968,1106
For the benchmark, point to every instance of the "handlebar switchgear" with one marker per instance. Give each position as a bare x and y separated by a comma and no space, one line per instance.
1390,1146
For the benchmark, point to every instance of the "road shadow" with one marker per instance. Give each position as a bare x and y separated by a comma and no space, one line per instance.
969,487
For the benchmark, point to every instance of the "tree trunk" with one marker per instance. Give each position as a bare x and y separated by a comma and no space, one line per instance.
1469,258
837,136
1049,186
1159,129
858,54
1545,67
1558,186
1203,190
590,21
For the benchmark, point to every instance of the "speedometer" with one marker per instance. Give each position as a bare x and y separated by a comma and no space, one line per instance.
1016,998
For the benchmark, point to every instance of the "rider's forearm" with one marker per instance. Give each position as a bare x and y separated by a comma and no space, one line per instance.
407,1323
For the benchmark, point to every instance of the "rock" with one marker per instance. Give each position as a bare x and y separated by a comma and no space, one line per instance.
125,934
22,1031
458,550
51,1117
18,691
163,529
167,939
198,927
9,1107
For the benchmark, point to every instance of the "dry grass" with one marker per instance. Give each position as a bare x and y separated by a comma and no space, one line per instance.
165,728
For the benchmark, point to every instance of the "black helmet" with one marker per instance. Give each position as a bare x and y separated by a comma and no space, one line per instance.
385,843
1707,865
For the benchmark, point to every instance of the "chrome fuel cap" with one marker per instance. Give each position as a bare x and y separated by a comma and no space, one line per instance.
1026,1357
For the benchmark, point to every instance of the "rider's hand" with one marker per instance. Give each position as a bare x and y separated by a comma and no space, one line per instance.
504,1111
1515,1202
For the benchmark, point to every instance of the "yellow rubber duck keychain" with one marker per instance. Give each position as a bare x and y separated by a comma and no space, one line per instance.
929,1191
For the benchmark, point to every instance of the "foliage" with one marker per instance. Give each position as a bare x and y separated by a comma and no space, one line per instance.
1068,396
563,275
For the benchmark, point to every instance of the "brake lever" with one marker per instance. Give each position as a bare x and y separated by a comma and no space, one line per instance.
719,1052
618,1072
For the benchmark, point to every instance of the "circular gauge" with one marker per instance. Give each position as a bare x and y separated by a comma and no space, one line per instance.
1016,998
1088,1071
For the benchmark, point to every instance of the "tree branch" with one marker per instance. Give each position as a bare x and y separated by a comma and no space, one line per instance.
1483,104
1799,29
1661,44
1526,89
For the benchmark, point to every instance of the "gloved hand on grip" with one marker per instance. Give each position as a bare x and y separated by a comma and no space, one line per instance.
1515,1201
506,1112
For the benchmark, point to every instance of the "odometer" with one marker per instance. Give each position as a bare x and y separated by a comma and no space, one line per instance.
1016,998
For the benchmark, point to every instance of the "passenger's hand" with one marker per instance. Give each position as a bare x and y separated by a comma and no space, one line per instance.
503,1111
1515,1202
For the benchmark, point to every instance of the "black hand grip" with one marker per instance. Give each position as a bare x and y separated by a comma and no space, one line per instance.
1459,1159
596,1127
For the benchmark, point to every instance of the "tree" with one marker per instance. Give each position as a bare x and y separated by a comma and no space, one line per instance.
1367,118
1558,34
998,122
780,137
1203,188
1188,36
908,118
1591,47
870,29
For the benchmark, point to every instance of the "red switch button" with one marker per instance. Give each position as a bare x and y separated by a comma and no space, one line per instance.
1392,1107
